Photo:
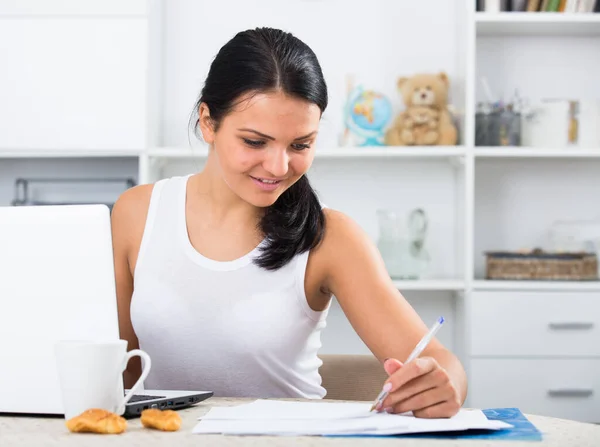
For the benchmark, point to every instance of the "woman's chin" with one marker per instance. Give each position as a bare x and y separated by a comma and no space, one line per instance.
264,200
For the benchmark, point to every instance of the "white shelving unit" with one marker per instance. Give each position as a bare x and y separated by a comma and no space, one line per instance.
537,24
554,286
518,192
525,152
478,198
69,153
431,285
384,152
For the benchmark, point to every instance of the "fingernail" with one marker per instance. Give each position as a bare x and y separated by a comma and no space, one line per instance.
378,407
389,410
387,387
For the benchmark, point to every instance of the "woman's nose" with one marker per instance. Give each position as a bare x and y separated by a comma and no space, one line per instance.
276,162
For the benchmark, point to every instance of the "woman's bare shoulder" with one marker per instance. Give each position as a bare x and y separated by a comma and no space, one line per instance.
128,216
340,229
342,234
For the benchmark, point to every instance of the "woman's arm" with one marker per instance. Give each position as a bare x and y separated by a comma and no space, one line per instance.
435,384
127,222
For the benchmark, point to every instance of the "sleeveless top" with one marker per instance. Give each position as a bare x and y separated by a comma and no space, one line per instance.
227,327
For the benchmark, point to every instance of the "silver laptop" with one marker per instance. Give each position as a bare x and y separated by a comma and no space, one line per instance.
57,282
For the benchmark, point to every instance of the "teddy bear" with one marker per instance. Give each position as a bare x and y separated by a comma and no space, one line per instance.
421,125
423,91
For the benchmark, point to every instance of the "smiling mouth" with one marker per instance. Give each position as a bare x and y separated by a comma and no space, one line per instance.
266,181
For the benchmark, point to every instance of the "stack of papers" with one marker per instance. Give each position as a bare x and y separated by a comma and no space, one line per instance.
270,417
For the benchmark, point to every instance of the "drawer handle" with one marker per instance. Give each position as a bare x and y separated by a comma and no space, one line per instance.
571,392
571,325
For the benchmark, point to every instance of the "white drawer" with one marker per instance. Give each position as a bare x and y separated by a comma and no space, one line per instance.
535,324
567,389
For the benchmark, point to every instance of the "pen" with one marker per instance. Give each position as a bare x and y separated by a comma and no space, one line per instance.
413,355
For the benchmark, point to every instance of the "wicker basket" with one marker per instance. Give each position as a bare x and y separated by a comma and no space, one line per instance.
539,265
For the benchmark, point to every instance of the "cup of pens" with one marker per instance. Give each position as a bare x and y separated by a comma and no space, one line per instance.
497,123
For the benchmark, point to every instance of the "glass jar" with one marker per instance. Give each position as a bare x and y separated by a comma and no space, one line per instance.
401,242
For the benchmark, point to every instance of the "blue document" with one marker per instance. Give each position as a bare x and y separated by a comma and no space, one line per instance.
522,429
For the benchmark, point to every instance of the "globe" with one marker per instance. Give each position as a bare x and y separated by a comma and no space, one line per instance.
367,114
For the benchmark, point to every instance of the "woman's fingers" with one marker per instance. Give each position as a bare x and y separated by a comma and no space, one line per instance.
391,366
412,388
411,371
423,387
423,400
442,410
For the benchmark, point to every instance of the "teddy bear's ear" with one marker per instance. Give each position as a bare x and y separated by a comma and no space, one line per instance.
401,82
444,77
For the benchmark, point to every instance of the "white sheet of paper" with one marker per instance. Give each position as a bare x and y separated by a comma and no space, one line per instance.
266,417
288,427
272,410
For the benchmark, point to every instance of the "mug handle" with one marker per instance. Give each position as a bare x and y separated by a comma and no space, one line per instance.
140,381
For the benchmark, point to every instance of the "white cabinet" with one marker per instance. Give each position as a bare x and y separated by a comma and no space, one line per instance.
536,350
523,324
552,387
74,80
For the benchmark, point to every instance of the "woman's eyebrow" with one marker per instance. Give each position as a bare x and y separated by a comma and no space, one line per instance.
306,136
258,133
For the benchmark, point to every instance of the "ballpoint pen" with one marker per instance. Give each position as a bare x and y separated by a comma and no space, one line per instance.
413,355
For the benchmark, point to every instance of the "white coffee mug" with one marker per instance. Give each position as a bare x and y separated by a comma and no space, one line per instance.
91,375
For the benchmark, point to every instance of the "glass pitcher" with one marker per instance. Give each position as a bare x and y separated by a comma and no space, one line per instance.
401,242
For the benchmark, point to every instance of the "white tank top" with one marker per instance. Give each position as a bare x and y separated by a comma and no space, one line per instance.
227,327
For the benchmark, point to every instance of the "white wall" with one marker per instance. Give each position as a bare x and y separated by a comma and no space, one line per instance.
85,75
539,67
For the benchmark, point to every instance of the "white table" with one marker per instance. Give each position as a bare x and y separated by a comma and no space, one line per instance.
51,431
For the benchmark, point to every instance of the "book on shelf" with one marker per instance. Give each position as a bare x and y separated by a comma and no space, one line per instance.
565,6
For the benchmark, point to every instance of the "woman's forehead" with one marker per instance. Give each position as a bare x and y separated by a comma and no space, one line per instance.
275,109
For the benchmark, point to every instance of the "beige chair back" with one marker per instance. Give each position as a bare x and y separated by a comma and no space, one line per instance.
352,377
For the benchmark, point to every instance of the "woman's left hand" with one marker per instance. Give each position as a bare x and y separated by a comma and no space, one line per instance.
422,386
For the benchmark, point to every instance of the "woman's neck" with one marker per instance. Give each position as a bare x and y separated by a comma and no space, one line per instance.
210,197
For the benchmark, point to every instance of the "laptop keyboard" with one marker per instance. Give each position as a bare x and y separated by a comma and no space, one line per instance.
143,397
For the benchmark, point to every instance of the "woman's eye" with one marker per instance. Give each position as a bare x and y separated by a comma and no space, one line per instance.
300,146
254,143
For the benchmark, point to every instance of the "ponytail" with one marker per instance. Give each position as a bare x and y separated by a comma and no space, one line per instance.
294,224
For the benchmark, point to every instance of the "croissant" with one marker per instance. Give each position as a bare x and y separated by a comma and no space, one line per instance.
96,420
165,420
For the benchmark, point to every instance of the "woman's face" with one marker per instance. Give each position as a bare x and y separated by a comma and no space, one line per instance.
264,145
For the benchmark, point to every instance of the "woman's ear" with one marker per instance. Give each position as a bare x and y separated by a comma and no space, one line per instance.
206,124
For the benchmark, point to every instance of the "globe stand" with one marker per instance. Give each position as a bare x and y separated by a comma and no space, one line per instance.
367,112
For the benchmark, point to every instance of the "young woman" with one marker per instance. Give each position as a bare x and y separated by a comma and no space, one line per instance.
225,277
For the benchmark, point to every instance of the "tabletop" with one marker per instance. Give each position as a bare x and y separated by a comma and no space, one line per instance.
51,431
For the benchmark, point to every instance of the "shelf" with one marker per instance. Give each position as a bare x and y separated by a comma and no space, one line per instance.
537,285
68,153
430,285
416,152
537,24
532,152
